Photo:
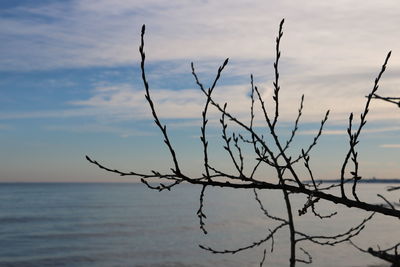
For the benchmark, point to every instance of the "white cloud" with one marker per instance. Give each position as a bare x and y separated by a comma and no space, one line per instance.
332,52
320,36
121,102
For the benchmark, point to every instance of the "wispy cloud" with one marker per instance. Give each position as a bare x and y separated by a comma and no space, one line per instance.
97,33
376,129
332,56
5,127
99,128
62,113
390,145
122,101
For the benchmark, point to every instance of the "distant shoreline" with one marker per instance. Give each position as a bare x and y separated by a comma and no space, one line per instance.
364,181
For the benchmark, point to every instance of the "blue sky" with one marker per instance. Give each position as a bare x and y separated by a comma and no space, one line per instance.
70,83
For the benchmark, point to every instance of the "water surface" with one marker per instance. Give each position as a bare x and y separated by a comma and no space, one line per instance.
72,224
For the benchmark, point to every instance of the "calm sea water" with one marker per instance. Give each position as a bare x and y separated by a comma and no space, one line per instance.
130,225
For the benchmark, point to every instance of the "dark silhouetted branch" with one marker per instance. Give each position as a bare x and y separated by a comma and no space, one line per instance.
269,151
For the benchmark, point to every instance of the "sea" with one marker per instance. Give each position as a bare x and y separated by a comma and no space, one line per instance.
127,224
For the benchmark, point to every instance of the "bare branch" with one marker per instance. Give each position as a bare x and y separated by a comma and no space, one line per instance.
354,136
255,244
273,155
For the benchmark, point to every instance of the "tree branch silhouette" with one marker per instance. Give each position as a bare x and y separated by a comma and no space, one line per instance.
272,153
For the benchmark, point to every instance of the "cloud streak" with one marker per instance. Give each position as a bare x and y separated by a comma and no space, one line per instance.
344,131
121,102
99,128
390,146
96,33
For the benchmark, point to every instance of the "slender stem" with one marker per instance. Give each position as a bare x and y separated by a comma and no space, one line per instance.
276,69
291,228
363,121
163,128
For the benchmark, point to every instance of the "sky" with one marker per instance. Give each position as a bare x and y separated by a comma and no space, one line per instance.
70,82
